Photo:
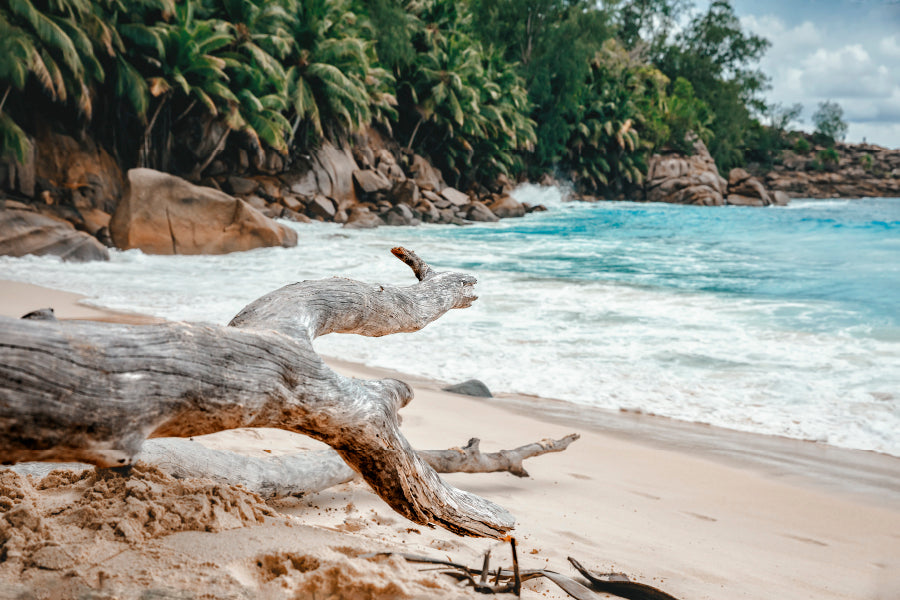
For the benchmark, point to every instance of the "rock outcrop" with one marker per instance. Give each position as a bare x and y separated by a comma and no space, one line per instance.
63,171
366,183
746,190
844,171
681,179
24,231
164,214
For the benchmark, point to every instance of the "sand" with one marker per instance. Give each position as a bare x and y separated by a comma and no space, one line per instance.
699,512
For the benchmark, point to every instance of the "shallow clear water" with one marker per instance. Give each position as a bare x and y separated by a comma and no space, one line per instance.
778,320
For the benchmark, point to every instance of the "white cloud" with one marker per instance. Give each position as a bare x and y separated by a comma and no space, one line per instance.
810,63
890,47
875,133
848,72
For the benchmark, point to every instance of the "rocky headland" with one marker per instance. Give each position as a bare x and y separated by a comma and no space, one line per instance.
839,171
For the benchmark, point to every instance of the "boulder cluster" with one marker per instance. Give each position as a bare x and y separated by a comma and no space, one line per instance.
694,179
840,171
70,199
370,186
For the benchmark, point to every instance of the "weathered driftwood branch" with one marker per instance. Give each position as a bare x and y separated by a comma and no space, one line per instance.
93,392
311,471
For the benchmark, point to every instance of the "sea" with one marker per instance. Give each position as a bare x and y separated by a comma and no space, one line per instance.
779,320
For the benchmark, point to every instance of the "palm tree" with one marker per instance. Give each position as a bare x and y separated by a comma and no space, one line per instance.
261,32
605,147
182,70
334,85
50,44
470,109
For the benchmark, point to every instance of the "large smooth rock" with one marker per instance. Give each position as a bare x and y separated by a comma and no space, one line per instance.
370,181
401,215
334,172
681,179
240,185
506,207
425,175
736,176
164,214
781,198
26,232
746,186
361,217
429,213
477,211
322,207
470,387
405,192
454,196
327,171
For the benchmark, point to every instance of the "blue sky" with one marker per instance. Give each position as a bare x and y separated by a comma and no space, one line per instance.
847,51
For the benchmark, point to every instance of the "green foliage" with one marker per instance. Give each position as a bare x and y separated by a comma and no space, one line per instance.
51,45
801,146
766,141
645,27
714,54
460,103
252,64
334,82
829,157
606,144
687,115
553,43
481,87
867,162
829,121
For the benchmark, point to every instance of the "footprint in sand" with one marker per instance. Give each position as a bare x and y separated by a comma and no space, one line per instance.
701,517
805,540
645,495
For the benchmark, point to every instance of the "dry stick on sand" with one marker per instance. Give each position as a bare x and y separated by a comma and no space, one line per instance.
94,392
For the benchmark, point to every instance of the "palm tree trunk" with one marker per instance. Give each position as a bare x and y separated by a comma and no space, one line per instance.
5,96
413,136
144,155
198,170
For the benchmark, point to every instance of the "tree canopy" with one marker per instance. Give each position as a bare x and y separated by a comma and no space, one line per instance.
829,120
480,87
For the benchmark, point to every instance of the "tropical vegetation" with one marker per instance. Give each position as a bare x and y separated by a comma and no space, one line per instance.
481,87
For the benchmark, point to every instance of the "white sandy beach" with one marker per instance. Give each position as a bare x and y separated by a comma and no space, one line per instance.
695,523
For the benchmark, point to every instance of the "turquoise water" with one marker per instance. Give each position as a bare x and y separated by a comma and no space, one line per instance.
844,255
777,320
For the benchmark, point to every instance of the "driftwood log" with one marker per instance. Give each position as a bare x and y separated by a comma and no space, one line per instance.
305,472
94,392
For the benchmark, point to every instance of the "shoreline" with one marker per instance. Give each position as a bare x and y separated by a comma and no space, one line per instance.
866,475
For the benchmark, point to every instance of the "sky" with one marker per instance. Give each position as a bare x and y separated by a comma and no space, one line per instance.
847,51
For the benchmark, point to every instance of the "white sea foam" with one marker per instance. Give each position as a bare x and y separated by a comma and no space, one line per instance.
728,361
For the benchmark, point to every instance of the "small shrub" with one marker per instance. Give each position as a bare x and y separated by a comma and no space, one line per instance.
829,156
801,146
866,162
